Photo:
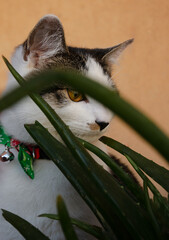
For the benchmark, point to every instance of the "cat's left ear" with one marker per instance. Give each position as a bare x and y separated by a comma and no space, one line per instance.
110,56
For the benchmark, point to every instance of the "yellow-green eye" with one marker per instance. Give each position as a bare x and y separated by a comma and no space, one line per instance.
75,96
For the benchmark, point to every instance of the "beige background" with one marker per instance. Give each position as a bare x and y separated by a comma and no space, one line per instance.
141,76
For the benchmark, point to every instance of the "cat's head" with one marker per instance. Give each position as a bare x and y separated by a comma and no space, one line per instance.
45,48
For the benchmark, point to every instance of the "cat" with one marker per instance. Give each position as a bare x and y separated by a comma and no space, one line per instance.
45,48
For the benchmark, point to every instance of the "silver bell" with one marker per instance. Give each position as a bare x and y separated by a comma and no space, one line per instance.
6,156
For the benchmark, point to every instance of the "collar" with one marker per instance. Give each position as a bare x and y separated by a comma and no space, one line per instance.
27,153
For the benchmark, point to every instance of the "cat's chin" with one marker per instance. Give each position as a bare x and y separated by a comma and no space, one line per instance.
91,138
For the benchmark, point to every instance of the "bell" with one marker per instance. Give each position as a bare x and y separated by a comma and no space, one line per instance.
6,156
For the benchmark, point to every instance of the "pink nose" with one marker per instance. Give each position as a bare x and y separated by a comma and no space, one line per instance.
102,125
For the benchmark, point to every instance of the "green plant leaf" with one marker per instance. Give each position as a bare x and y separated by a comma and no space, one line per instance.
157,196
93,230
27,230
64,160
109,198
65,220
149,203
62,157
151,214
143,125
155,171
126,180
158,209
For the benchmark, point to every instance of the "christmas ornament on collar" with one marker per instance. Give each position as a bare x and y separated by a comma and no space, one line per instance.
6,156
24,153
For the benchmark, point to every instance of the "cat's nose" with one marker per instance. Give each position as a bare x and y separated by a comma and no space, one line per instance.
102,125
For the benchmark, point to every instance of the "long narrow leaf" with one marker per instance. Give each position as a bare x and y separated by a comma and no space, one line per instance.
152,169
27,230
159,205
143,125
151,214
153,189
62,157
93,230
161,201
126,180
65,220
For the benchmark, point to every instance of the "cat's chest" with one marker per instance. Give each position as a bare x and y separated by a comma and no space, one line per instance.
16,183
29,198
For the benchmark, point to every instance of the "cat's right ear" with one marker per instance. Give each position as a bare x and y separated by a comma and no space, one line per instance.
45,41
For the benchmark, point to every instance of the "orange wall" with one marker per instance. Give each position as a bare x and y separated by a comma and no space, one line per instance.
141,76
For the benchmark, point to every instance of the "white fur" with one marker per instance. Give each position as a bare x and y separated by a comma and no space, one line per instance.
29,198
95,72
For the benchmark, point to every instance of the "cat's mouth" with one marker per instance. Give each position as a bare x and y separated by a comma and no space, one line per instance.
98,126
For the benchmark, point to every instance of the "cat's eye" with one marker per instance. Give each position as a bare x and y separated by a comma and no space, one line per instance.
75,96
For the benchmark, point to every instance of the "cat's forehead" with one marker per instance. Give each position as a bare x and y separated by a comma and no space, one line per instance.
83,61
95,71
70,60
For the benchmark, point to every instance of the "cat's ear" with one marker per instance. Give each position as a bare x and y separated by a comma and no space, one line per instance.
45,40
109,56
112,55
